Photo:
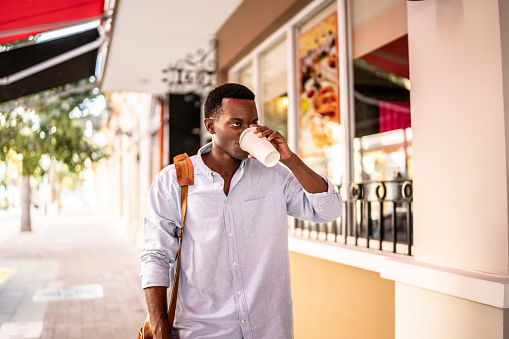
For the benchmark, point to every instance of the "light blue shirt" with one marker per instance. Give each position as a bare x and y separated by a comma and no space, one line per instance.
235,275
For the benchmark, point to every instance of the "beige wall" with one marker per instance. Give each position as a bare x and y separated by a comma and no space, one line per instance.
331,300
459,134
504,37
422,314
124,194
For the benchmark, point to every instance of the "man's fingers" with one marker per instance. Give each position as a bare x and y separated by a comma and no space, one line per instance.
265,133
273,135
260,128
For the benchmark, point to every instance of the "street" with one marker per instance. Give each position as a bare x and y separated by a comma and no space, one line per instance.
75,276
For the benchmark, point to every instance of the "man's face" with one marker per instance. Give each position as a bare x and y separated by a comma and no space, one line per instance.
228,125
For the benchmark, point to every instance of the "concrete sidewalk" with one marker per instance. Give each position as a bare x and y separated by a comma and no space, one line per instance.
75,276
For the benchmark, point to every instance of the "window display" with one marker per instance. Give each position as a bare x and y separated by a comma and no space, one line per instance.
381,91
321,135
382,143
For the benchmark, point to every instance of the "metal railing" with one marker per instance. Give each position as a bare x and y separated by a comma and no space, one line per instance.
377,215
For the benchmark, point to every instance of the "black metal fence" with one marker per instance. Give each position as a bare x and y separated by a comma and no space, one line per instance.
377,215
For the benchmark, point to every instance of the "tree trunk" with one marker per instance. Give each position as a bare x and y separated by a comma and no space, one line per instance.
25,204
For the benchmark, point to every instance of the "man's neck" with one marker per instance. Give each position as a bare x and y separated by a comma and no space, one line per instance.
221,163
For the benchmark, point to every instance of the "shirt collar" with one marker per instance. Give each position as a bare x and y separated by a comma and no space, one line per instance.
204,168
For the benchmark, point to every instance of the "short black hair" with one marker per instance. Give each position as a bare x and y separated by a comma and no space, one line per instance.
213,103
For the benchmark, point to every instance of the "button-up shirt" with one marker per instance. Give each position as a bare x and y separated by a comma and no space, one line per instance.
235,276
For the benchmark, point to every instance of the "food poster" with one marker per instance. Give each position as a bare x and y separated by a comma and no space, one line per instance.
320,134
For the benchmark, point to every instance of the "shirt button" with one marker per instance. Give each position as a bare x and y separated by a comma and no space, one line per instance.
242,321
231,234
225,205
234,263
239,292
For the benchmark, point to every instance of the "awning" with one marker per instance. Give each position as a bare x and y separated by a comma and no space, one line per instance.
37,67
21,19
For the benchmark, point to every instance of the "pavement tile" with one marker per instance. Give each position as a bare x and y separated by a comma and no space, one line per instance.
66,251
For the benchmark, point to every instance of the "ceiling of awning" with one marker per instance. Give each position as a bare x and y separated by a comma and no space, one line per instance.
147,38
21,19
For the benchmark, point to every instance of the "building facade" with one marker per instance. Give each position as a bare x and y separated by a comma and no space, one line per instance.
403,104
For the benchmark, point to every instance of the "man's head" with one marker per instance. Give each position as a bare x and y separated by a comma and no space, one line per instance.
229,110
214,101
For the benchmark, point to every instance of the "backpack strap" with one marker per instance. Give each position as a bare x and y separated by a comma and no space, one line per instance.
185,177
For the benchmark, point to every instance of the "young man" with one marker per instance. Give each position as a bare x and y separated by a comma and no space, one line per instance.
235,276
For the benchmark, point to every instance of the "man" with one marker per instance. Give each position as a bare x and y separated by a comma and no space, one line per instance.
235,276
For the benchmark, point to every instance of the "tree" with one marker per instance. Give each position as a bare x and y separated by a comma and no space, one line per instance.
47,129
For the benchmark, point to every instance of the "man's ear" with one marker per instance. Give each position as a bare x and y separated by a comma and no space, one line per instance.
209,125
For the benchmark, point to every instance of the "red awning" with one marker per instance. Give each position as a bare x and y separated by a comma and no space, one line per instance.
21,19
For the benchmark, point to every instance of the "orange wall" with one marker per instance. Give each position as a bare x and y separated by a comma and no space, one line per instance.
331,300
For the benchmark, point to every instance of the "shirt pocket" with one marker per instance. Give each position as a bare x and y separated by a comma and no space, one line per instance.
258,217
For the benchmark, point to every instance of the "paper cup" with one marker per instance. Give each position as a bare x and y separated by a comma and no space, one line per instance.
260,148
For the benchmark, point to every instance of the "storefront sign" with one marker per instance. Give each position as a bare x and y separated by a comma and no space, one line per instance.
193,74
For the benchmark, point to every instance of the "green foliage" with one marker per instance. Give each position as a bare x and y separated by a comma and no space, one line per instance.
46,129
65,177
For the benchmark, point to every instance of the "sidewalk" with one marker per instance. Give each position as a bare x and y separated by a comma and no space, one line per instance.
74,277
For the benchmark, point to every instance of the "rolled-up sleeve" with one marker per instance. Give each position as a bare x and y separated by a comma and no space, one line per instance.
160,222
315,207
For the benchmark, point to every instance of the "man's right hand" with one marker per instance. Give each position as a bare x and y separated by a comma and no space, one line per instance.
158,311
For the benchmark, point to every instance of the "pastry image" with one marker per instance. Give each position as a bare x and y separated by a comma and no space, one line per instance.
326,112
321,131
327,102
329,69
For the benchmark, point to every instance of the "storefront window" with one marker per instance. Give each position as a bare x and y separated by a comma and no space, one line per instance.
382,144
321,133
274,88
245,76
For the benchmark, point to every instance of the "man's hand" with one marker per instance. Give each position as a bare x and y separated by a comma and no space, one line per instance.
308,178
275,139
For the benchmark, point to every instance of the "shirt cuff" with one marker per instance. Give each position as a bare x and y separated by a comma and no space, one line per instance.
318,199
158,276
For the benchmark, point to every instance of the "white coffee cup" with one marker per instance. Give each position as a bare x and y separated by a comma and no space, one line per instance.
258,147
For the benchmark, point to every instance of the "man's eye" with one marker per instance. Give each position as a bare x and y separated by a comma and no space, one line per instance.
236,124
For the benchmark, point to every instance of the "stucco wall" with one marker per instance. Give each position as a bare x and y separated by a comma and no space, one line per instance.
331,300
459,134
423,314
